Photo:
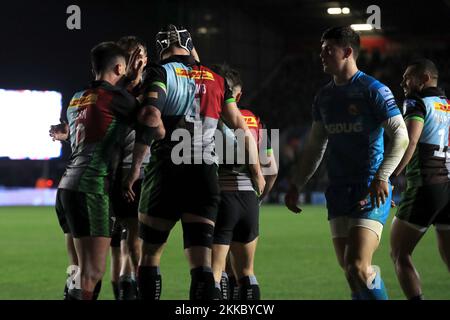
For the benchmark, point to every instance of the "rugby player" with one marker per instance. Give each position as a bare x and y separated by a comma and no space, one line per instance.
178,183
97,118
126,213
350,114
60,132
426,200
238,216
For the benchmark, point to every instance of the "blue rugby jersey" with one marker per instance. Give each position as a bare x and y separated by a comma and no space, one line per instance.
352,115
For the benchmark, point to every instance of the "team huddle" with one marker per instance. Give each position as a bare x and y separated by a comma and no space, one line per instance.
145,155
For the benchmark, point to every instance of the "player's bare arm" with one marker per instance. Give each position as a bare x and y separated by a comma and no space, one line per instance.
270,175
415,128
312,157
233,119
150,127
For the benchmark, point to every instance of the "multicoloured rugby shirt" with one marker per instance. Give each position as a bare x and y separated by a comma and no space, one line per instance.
430,163
194,98
235,176
352,115
98,119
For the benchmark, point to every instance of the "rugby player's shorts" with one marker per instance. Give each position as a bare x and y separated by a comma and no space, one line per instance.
121,207
425,205
238,218
169,190
84,214
345,213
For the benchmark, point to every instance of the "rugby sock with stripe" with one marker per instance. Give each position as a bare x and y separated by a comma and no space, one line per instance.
97,289
149,283
249,288
224,286
233,288
202,284
127,287
115,287
79,294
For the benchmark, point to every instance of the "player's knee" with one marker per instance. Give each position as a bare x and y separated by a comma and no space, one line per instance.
394,255
401,259
134,246
197,234
151,235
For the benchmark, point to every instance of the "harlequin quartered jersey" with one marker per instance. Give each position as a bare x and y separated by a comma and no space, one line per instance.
194,99
236,177
98,120
430,163
352,115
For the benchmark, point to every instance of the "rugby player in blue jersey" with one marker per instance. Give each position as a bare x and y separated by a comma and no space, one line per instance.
350,114
426,200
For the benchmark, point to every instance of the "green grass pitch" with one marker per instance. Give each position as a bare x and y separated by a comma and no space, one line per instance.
294,260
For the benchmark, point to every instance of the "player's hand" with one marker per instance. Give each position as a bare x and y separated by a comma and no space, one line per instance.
135,66
127,185
378,192
291,199
259,182
59,132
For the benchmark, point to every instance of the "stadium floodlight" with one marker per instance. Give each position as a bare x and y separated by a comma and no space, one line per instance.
202,30
362,27
334,10
345,10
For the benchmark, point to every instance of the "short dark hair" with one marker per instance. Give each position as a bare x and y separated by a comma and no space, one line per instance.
130,43
420,66
232,76
344,36
104,56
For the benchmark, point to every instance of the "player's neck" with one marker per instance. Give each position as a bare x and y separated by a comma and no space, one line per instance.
107,77
345,75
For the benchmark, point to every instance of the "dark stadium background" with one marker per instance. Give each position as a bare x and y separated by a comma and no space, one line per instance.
274,44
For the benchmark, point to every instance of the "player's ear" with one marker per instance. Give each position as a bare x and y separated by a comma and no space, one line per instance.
425,77
348,52
118,69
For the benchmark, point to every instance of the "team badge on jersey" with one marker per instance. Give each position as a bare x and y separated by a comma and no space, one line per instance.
386,93
353,110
